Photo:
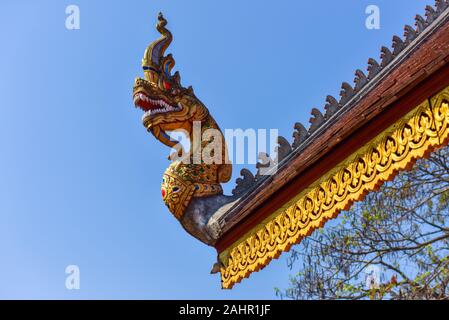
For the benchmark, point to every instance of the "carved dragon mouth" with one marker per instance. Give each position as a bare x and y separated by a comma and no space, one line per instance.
153,106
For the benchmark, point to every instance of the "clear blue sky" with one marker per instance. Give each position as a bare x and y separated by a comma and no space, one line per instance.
79,175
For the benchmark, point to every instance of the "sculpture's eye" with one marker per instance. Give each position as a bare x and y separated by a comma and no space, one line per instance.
167,85
175,189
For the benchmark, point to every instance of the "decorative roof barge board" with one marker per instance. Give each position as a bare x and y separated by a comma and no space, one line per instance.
395,114
415,71
420,132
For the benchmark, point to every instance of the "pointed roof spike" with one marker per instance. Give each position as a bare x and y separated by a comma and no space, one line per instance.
440,6
263,165
360,80
431,15
283,149
331,106
410,34
264,160
386,56
420,23
244,183
346,93
299,135
373,68
316,120
398,45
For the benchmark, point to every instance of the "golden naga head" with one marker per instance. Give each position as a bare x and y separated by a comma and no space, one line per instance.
167,105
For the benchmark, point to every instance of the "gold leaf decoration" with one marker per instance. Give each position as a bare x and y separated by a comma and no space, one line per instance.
420,132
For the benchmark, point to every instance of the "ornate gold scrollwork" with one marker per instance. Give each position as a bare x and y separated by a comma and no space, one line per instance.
420,132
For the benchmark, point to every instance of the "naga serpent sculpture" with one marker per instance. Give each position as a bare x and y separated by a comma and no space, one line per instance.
191,190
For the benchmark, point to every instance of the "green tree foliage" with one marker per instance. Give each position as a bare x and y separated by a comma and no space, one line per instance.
392,245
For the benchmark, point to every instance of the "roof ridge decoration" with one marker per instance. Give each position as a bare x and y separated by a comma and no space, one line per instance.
428,122
301,135
421,131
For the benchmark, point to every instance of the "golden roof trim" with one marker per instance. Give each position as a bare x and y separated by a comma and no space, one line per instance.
414,136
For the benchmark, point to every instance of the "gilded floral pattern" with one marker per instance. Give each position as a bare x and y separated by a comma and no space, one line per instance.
418,133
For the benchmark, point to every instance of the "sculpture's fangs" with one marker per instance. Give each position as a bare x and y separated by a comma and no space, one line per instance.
192,192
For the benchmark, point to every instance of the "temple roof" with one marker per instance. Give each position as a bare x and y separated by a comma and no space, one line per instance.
363,110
